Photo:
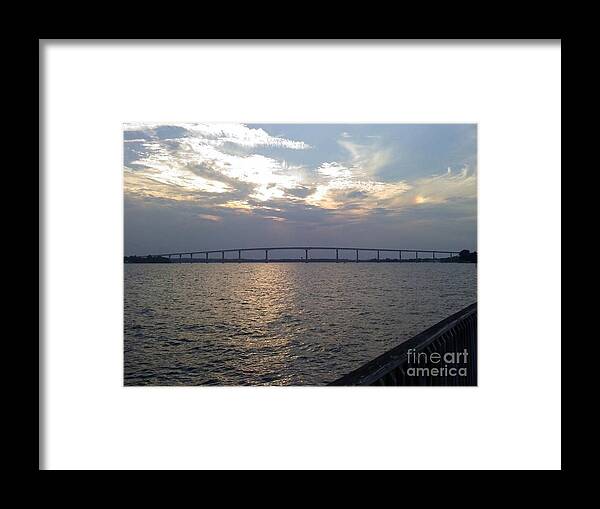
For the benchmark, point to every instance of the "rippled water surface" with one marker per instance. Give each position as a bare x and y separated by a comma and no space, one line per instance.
278,323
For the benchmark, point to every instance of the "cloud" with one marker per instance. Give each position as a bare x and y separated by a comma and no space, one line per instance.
445,187
369,158
193,162
210,217
215,134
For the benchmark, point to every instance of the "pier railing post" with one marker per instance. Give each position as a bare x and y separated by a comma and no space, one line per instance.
266,256
306,256
239,255
206,257
337,258
357,256
378,256
222,256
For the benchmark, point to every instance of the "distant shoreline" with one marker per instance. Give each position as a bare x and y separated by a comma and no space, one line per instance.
141,260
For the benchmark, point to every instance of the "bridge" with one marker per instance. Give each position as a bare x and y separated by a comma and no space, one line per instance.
398,254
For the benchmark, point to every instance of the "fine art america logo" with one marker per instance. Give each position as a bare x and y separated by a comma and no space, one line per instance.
436,364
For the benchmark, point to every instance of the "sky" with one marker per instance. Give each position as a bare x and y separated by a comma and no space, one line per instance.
198,186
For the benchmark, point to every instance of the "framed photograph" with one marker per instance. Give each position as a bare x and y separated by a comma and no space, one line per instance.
300,255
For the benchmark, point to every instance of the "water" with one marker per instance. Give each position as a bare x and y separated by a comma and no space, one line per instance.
278,323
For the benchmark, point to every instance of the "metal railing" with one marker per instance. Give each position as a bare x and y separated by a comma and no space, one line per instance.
444,354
